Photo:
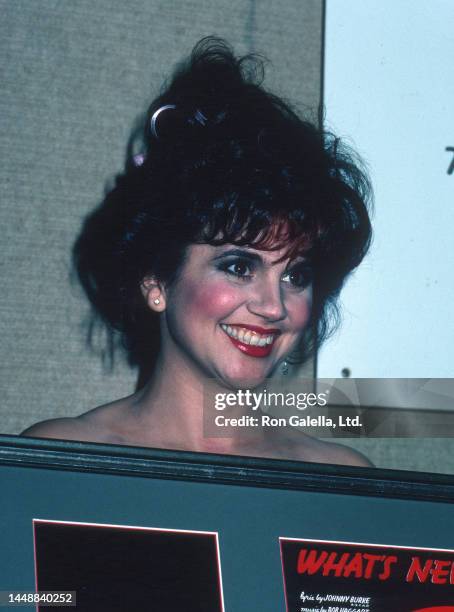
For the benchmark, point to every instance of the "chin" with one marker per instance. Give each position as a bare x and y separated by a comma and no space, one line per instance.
242,379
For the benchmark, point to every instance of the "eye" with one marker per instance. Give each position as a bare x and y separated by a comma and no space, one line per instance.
298,277
239,268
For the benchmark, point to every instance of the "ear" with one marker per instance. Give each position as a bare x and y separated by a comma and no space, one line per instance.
154,294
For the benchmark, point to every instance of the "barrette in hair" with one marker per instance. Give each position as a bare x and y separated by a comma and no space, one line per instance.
200,117
155,116
138,159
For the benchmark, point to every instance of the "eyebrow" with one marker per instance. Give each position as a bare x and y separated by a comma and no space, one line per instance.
240,253
256,257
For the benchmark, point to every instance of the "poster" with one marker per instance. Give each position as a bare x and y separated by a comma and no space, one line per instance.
324,576
115,568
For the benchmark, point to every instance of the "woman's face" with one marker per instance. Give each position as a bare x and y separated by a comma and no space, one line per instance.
235,313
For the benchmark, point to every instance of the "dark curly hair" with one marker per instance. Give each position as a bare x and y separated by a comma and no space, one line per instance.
231,163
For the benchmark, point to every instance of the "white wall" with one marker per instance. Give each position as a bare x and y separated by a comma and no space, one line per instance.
389,87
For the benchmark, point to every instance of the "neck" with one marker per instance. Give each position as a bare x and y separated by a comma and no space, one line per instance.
171,408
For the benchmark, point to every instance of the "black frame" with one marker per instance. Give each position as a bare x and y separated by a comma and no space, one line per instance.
225,469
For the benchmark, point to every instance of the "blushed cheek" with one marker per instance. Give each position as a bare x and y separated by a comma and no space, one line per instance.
210,299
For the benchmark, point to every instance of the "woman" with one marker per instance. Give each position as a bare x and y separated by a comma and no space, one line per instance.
218,255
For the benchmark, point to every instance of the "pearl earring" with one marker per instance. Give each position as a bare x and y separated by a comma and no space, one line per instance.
284,368
156,301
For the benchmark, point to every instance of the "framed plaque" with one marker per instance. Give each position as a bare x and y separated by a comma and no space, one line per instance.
322,576
120,525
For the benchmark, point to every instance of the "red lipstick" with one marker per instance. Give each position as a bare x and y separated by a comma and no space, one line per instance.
249,349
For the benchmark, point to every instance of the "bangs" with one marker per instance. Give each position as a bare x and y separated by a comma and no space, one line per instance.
295,240
293,232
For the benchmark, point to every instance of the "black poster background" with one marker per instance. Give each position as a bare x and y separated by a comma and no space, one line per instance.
393,594
120,569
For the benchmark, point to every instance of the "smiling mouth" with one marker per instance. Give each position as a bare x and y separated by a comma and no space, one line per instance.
253,341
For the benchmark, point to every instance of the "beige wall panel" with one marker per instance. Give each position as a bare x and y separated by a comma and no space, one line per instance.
75,74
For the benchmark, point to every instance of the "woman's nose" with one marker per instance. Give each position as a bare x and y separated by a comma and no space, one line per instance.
267,300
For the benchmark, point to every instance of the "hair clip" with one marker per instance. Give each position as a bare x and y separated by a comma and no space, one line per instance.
138,159
155,116
200,117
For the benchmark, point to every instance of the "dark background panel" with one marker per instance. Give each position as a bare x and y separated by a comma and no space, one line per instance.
117,570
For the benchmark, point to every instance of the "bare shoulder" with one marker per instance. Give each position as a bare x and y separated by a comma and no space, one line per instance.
303,447
97,425
62,429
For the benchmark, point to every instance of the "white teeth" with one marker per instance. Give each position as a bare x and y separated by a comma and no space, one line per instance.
246,336
233,332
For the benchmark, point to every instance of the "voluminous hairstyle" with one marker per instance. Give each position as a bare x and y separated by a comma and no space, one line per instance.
231,163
